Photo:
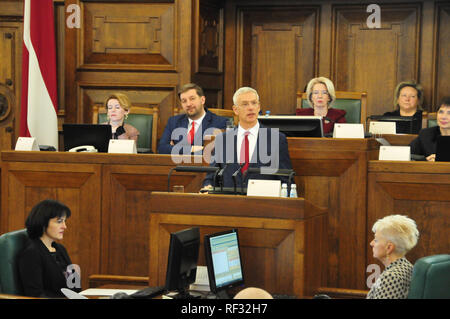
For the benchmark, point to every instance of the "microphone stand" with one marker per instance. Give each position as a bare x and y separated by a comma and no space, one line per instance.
234,178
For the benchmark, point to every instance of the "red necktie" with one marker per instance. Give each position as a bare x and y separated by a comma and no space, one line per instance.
245,153
191,133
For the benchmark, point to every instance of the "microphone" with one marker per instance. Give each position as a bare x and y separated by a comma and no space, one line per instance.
234,177
219,174
329,119
192,169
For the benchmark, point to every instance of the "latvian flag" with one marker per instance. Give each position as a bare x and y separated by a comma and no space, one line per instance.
39,90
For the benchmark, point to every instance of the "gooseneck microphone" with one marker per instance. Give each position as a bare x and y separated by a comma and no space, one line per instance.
234,178
219,174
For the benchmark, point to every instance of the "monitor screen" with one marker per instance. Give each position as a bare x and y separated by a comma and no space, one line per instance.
294,125
223,260
403,124
96,135
182,261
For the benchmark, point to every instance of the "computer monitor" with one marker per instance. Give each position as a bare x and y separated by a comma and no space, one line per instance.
223,260
403,124
182,261
96,135
294,125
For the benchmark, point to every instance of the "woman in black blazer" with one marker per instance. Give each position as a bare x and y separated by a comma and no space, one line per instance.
43,263
425,143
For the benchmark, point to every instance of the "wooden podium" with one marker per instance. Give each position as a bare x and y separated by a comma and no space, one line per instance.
283,240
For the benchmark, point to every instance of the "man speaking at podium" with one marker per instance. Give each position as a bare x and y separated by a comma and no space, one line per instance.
248,146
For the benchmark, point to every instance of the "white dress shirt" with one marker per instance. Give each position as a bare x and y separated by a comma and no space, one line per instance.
252,138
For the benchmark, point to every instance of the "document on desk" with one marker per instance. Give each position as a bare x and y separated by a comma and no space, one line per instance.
106,292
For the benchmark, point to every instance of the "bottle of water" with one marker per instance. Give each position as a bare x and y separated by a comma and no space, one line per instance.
284,192
293,193
267,113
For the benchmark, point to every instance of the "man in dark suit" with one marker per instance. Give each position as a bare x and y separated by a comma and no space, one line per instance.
249,145
184,133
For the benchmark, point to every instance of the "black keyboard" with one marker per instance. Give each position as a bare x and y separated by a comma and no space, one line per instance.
149,292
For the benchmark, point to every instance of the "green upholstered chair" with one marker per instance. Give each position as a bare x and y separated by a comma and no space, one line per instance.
145,119
354,103
11,244
431,119
431,278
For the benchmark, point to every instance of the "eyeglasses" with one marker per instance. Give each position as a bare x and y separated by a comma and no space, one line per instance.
405,96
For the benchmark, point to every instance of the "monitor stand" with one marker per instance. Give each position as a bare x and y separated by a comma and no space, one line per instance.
184,294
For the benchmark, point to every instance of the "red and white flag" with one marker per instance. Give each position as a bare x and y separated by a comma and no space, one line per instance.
39,88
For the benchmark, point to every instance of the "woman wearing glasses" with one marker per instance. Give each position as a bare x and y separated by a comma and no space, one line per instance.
321,96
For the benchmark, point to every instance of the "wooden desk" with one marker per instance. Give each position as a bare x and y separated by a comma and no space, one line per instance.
399,139
108,195
282,240
420,190
332,173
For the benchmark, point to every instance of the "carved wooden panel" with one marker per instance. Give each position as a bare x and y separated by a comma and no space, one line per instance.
418,190
277,54
128,36
375,60
332,174
442,87
26,184
10,81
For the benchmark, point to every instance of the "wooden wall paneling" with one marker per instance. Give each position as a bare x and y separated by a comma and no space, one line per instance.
128,36
442,53
207,51
11,35
361,64
26,184
332,174
420,191
125,214
277,48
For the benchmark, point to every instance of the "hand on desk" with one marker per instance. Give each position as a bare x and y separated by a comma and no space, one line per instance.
431,158
204,190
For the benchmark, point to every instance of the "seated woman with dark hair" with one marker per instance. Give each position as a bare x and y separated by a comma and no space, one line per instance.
425,143
43,263
408,99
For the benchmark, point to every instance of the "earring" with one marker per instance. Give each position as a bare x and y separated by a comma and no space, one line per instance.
126,116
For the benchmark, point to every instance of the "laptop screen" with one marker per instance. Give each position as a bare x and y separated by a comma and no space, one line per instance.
97,135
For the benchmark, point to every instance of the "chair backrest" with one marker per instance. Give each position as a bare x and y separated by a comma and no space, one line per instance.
431,119
227,113
11,244
431,278
145,119
354,103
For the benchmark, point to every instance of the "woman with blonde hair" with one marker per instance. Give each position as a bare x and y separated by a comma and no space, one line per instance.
321,96
118,107
395,235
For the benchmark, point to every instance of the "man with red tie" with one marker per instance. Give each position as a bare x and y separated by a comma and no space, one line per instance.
248,145
184,133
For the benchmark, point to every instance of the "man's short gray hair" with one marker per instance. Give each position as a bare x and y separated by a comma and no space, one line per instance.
243,90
